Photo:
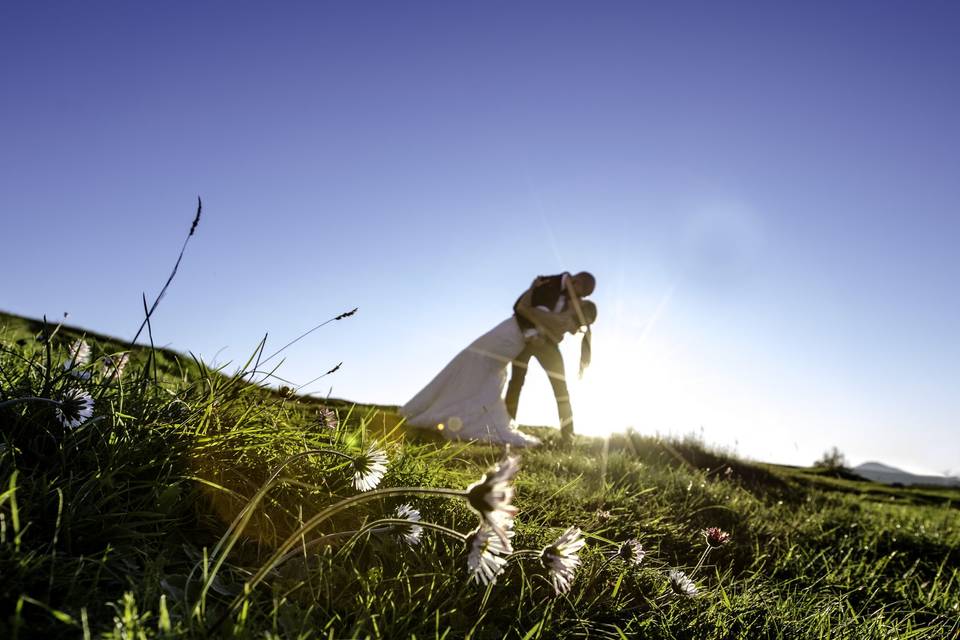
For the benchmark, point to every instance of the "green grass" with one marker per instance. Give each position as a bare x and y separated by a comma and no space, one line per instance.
109,530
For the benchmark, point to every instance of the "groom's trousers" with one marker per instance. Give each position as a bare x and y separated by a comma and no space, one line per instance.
548,355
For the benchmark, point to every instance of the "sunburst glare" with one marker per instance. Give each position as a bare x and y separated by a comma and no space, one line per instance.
630,383
640,382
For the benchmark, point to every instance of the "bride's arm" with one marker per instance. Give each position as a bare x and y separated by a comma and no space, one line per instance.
551,325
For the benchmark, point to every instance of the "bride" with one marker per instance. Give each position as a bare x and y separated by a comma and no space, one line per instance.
465,400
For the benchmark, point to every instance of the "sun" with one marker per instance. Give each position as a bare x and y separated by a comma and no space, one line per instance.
631,383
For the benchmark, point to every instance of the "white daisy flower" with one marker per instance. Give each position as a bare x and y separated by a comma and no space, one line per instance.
485,560
328,418
562,558
492,494
75,408
77,356
409,533
630,551
369,468
115,366
681,584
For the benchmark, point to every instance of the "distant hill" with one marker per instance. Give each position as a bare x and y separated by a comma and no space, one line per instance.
885,474
879,466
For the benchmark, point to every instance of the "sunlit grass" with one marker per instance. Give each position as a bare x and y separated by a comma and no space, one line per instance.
125,526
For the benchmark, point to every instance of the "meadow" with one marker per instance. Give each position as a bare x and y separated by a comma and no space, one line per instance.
171,500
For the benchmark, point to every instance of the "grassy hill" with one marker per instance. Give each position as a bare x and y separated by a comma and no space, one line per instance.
150,519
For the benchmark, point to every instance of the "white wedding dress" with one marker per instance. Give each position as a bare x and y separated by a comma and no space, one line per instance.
465,400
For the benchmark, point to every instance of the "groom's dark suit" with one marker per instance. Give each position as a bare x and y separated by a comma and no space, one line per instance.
549,293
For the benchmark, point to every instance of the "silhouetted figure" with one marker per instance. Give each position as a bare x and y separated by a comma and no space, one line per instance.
465,400
555,294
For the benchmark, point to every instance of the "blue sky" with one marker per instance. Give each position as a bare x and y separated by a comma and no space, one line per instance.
766,194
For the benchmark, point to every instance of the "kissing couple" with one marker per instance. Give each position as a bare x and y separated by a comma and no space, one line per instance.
465,400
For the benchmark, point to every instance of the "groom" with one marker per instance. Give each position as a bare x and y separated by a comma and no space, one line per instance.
555,293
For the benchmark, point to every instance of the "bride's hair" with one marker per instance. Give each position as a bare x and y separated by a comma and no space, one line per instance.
588,315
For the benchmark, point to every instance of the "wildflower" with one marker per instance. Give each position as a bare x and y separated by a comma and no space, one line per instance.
75,408
681,584
78,355
369,468
484,560
603,515
115,366
409,533
716,537
630,551
491,496
328,418
562,559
